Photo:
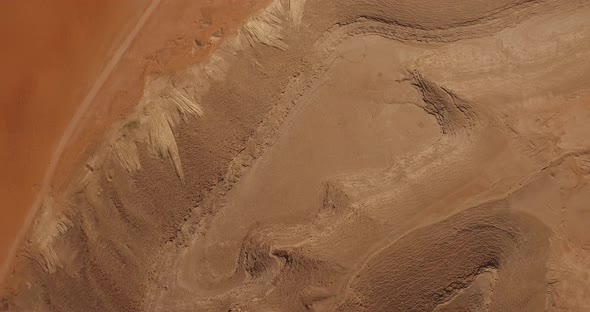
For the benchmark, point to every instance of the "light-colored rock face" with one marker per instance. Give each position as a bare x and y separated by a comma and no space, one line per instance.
49,56
340,156
72,68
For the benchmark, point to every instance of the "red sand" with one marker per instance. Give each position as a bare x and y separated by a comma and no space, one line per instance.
165,44
51,53
52,56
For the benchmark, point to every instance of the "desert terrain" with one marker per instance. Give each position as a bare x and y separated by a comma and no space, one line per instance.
48,63
53,114
321,155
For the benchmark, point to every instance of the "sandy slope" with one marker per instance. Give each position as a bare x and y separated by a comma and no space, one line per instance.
350,156
53,115
52,53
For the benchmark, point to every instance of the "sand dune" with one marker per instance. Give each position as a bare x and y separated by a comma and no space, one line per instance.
339,156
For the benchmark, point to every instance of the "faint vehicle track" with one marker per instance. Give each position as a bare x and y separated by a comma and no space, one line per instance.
71,129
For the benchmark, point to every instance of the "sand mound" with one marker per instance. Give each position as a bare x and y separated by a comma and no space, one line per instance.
340,156
428,269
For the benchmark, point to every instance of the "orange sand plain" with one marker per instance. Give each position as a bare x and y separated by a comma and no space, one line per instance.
51,53
51,56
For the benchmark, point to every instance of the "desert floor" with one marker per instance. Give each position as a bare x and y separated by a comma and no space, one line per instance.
321,155
68,54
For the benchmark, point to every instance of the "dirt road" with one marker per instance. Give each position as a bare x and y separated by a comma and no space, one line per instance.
51,58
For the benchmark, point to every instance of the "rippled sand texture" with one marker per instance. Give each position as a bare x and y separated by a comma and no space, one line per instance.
384,155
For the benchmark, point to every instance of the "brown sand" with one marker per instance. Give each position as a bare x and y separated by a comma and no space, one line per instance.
349,156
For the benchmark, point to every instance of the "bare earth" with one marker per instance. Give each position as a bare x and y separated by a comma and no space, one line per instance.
50,58
385,155
75,69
